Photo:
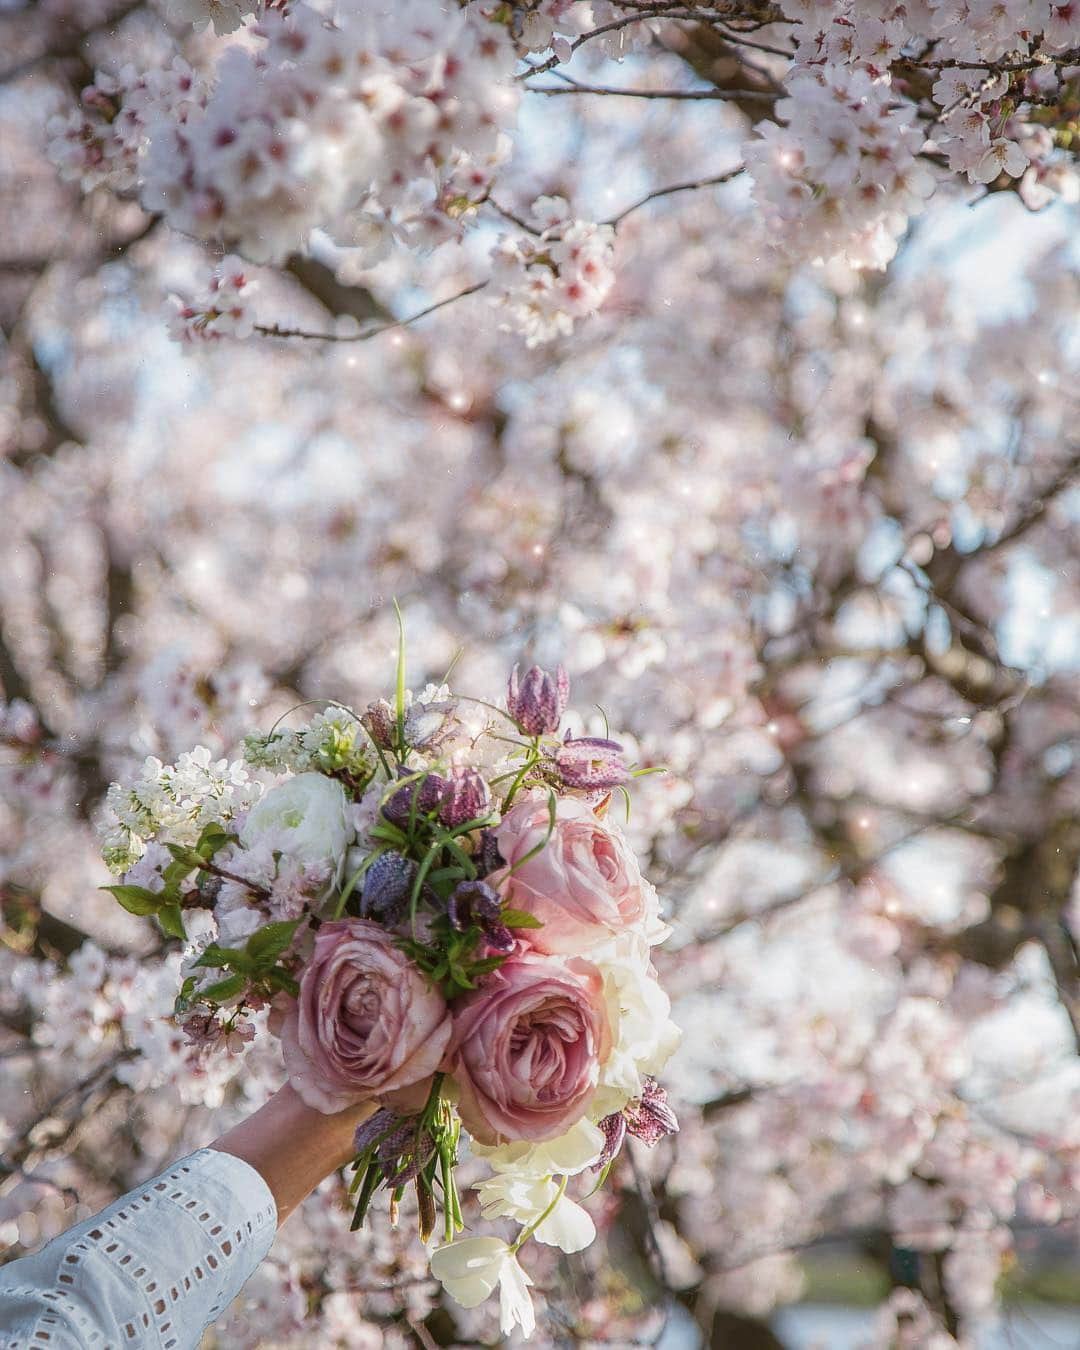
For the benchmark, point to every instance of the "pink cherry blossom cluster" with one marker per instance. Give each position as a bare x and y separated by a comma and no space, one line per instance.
221,310
839,173
976,124
547,280
394,116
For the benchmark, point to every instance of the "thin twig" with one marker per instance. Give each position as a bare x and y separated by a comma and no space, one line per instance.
677,187
1069,58
716,95
275,330
613,26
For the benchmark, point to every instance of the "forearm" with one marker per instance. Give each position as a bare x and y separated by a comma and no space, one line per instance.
292,1146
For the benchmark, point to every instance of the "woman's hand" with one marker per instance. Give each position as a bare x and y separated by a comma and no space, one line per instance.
292,1146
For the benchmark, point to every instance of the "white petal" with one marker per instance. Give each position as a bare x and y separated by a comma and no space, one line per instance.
571,1153
470,1269
567,1227
515,1305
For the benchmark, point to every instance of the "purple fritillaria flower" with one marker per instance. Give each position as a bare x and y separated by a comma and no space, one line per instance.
537,702
591,764
429,792
388,884
476,903
466,798
648,1118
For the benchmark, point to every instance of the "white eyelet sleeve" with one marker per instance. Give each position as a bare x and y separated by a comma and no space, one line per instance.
153,1270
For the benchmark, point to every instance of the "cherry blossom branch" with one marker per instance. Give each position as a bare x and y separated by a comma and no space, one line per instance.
1068,58
714,95
715,181
278,331
614,25
275,330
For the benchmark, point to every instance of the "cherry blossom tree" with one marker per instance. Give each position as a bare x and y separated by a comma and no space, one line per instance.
725,352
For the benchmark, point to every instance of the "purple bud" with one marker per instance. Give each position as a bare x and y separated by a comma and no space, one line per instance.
380,723
388,884
614,1130
371,1130
487,858
429,792
466,798
538,702
473,902
476,903
418,1150
649,1117
591,764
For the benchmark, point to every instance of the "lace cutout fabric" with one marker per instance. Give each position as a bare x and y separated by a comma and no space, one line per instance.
153,1270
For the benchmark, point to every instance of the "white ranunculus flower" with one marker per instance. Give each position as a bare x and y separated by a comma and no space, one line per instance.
306,817
644,1035
471,1268
524,1198
567,1155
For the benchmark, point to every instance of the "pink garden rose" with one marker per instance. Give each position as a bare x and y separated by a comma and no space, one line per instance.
527,1048
583,885
366,1024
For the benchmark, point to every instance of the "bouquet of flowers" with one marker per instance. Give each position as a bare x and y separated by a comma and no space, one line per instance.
429,904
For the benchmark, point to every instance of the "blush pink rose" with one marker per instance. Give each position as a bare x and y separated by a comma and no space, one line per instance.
366,1024
527,1048
583,885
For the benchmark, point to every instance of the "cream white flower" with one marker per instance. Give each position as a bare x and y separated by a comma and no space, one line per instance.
469,1271
644,1035
307,818
523,1198
567,1155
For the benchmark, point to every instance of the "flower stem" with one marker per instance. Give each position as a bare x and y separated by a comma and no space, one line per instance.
526,1233
531,758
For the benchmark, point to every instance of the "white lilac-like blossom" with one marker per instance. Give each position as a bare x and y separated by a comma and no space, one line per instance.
175,802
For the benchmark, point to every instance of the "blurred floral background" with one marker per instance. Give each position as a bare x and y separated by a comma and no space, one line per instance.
809,533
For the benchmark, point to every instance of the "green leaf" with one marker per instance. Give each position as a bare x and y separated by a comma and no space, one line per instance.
265,946
447,874
603,1177
214,837
218,958
225,989
283,980
188,856
486,965
372,1177
399,685
136,899
171,921
518,918
183,998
